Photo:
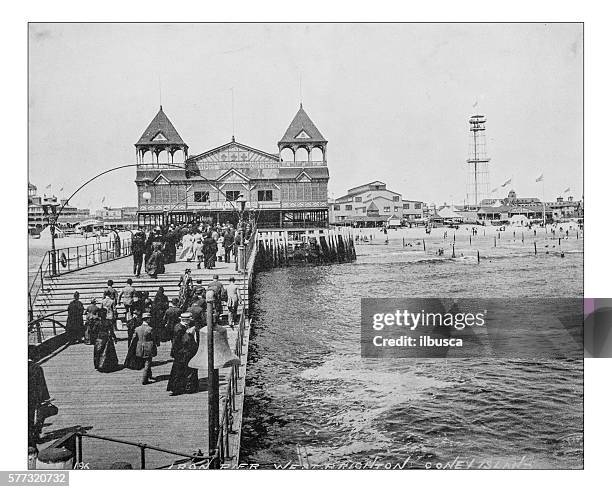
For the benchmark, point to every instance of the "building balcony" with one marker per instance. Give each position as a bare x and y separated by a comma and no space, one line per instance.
303,163
220,206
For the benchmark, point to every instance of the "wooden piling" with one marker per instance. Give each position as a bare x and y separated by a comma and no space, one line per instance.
478,255
535,248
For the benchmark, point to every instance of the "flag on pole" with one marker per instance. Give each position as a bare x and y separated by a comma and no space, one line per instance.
541,178
507,183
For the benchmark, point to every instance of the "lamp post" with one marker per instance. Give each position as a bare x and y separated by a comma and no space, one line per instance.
213,381
241,266
49,210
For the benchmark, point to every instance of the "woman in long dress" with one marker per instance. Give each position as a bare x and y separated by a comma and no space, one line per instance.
158,309
155,263
90,318
187,251
210,251
105,355
185,290
183,379
74,322
220,250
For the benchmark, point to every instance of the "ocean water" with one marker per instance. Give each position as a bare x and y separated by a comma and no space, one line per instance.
310,393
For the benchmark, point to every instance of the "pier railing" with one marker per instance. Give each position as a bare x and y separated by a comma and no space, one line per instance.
45,326
65,260
223,452
73,441
79,257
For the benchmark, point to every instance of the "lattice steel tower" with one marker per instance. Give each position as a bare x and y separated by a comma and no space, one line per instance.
478,162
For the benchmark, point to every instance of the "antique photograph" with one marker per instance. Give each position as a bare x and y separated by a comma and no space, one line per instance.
313,246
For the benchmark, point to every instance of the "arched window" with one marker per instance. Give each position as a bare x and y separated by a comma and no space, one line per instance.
316,155
301,154
287,154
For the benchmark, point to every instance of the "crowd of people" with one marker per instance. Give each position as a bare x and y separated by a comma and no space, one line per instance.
151,322
203,244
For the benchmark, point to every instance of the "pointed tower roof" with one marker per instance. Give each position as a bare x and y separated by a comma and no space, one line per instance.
160,131
302,130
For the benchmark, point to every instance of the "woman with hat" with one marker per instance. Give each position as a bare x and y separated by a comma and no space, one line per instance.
105,355
187,251
185,289
158,309
183,379
155,263
74,322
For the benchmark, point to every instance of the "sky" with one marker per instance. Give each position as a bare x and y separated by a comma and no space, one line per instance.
393,100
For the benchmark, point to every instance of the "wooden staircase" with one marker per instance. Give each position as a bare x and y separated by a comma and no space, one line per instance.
92,282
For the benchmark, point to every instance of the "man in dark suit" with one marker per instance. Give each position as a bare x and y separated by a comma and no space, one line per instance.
138,251
220,294
197,313
146,348
228,244
171,318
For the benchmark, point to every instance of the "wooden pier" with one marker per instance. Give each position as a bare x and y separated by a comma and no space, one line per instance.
117,406
119,420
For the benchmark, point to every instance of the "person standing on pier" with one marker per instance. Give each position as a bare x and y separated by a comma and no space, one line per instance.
228,244
210,251
146,347
187,247
127,296
138,251
233,299
198,250
110,290
105,355
185,289
220,296
90,317
170,241
134,322
183,379
172,317
74,322
197,313
108,303
158,310
155,263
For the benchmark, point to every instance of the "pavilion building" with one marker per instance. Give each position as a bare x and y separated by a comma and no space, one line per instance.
284,190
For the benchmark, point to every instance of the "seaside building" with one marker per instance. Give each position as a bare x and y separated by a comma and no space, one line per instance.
38,220
503,209
566,209
373,205
286,189
119,217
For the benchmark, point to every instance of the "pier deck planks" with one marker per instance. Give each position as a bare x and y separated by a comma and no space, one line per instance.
117,404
